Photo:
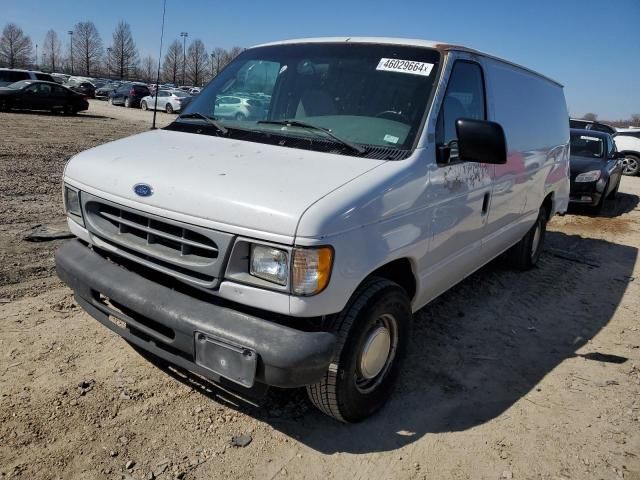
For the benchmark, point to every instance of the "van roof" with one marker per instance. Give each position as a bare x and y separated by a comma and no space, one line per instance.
443,46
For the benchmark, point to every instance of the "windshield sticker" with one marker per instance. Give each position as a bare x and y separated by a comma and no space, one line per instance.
404,66
390,138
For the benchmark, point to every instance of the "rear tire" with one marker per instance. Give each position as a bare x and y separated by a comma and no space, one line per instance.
168,108
524,255
631,164
127,102
373,333
143,105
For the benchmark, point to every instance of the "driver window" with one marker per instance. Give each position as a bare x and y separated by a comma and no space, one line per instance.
465,98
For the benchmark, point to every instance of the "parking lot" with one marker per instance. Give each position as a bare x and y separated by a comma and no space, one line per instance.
509,375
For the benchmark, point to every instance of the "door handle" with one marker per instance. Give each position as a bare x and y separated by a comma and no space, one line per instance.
485,203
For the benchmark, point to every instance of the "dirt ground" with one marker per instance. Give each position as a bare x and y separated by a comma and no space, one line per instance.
530,375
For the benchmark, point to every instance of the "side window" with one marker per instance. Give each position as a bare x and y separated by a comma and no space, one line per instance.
17,76
611,147
464,98
59,91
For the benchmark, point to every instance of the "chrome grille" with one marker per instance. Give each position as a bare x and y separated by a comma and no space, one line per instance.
190,253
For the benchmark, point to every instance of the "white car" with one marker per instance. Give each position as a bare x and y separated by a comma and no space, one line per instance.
628,142
195,91
168,100
294,248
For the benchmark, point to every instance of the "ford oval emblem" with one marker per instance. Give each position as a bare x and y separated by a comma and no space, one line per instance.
143,190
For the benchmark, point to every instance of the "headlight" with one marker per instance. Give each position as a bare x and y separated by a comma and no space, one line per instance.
311,270
591,176
72,204
268,263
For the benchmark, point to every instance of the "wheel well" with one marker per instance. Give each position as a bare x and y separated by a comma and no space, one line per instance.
400,272
547,204
630,152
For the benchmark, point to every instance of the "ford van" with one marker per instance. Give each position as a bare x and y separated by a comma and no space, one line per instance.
290,246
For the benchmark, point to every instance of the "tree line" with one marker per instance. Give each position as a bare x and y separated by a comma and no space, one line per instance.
84,54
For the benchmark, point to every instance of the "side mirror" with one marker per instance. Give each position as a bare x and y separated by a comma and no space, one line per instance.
481,141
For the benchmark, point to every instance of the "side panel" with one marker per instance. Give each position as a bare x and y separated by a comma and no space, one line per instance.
533,114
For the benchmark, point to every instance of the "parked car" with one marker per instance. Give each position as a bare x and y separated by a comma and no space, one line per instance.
239,108
12,75
168,100
596,167
627,142
39,95
60,78
85,88
292,250
194,91
104,92
129,95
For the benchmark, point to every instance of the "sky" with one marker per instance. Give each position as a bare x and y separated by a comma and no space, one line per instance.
591,47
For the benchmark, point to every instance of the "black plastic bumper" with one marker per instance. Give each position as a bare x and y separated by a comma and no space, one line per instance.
165,322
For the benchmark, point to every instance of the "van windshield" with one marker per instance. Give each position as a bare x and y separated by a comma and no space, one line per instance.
369,95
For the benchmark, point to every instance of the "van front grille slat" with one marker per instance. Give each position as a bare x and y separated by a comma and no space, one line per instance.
193,254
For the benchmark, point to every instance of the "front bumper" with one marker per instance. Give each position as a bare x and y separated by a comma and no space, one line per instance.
585,193
166,322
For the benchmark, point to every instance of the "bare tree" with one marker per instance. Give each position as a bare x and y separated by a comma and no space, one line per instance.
197,62
218,57
635,119
149,68
16,49
592,117
124,54
87,47
51,50
172,62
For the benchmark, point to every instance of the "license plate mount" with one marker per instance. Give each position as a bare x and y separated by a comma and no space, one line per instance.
233,362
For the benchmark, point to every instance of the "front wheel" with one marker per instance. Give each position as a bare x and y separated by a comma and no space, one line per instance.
526,253
143,105
168,108
631,164
373,334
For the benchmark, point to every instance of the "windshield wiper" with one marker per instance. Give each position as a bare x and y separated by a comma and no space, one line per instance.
298,123
209,120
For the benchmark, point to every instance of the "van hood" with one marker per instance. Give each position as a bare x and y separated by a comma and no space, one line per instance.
237,183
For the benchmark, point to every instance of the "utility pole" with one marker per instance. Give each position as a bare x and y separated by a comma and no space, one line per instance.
184,36
70,32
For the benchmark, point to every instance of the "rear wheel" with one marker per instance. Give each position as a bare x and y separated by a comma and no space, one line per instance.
168,108
143,105
525,254
127,102
373,333
631,164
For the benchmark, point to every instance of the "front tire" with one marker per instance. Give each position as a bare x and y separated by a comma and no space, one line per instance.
525,254
373,334
168,108
143,106
631,164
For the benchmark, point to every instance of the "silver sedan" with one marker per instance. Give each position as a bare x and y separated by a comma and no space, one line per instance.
168,100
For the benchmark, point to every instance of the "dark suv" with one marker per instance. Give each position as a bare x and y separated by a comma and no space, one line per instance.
10,75
129,95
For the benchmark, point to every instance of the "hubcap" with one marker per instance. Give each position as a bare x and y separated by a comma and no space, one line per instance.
536,239
377,353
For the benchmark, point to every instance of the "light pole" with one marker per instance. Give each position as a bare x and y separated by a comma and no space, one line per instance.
184,36
36,56
213,55
70,32
109,50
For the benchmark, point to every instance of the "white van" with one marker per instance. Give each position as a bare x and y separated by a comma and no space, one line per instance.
291,246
